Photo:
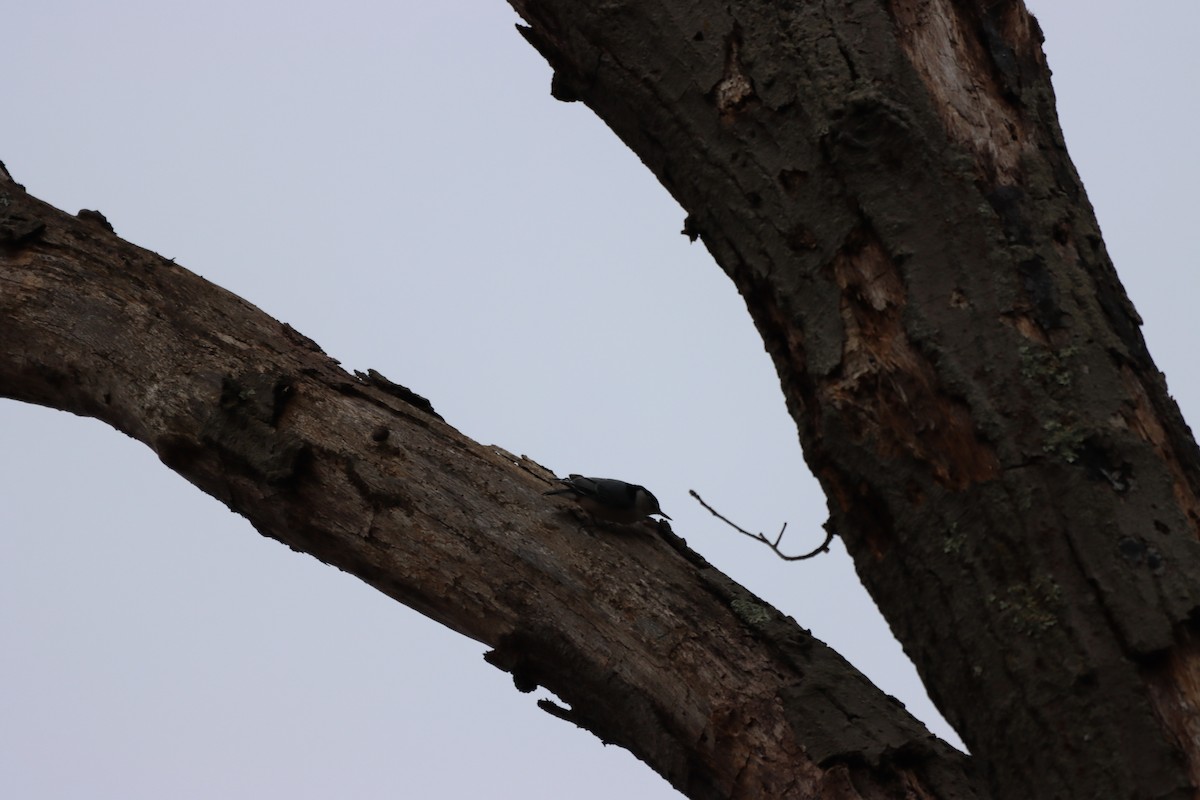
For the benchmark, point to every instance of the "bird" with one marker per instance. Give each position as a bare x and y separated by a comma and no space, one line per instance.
610,499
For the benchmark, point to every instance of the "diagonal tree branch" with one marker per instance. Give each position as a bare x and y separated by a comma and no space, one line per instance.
648,645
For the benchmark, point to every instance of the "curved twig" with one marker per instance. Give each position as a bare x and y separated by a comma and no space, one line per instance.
758,537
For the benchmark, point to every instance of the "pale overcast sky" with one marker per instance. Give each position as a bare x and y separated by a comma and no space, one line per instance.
394,180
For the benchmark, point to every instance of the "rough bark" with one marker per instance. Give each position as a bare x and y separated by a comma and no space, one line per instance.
650,647
886,183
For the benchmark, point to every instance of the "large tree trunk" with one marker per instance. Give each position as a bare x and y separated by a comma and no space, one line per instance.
887,186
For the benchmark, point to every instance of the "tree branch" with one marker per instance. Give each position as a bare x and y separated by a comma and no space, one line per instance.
758,537
637,634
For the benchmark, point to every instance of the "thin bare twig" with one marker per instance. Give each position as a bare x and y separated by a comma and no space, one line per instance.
758,537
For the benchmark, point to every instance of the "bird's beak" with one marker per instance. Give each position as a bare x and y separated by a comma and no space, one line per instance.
664,516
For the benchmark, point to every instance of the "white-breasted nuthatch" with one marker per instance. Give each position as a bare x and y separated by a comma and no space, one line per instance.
610,499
